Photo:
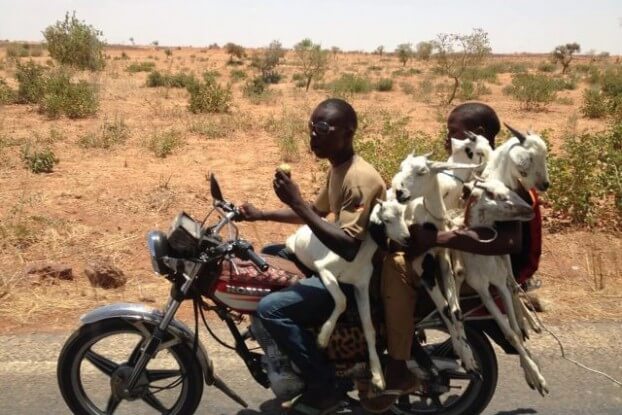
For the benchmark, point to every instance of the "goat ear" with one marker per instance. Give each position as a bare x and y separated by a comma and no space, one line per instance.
521,157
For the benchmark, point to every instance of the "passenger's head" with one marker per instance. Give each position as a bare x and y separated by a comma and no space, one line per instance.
331,127
472,116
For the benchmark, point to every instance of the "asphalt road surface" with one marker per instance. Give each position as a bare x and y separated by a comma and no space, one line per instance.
28,377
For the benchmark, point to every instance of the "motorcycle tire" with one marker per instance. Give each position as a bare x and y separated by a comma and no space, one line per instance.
478,393
190,376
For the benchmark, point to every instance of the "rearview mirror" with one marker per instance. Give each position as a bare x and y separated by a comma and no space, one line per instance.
215,188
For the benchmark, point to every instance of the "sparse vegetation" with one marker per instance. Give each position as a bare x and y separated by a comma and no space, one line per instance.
111,133
38,160
30,77
73,99
290,130
349,84
312,59
267,61
237,75
163,143
235,51
564,54
424,50
209,96
384,85
7,95
72,42
457,53
178,80
534,92
145,66
404,53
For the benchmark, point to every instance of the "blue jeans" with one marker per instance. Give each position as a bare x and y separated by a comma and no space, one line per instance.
289,313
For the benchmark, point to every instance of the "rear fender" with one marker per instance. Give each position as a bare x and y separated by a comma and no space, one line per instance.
491,328
141,317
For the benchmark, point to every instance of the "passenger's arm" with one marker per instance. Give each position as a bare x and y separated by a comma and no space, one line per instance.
474,240
285,215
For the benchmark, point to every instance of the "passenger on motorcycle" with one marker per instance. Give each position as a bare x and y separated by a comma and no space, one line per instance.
399,282
352,188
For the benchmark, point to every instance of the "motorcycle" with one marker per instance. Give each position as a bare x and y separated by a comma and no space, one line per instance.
159,361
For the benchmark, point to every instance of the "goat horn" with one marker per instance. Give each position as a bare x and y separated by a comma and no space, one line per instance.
427,155
470,135
521,137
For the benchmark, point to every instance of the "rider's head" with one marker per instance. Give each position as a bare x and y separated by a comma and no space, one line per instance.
331,127
472,116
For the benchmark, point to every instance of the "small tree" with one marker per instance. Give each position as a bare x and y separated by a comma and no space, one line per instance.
379,50
404,52
72,42
234,51
335,50
312,59
563,54
132,41
455,53
424,50
155,43
267,61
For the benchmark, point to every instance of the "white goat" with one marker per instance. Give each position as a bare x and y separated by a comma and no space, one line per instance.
519,163
417,183
332,269
474,150
489,202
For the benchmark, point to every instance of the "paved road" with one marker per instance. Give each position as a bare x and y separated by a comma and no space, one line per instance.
28,380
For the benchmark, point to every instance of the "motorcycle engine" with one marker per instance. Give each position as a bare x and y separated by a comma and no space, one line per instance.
284,382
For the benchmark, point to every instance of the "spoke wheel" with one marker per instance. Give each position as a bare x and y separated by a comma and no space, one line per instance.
455,391
98,359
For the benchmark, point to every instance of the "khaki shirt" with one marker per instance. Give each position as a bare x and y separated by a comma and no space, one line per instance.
350,193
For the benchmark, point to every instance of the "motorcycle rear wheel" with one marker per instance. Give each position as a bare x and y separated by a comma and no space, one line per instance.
477,393
81,363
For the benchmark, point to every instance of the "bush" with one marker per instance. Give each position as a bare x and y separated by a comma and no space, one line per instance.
38,160
298,77
30,77
406,72
112,133
75,100
256,90
72,42
162,144
290,130
486,73
237,75
533,91
564,84
384,85
350,84
470,91
209,96
407,88
386,151
178,80
594,104
7,95
141,67
586,176
547,67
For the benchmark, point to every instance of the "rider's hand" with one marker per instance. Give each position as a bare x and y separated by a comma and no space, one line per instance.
422,239
286,190
249,212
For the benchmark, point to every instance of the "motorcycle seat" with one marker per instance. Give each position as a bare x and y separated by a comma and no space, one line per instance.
281,273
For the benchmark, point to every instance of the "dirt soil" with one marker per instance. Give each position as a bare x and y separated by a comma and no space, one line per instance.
101,203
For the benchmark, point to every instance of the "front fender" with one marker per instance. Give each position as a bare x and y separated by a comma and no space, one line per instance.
139,313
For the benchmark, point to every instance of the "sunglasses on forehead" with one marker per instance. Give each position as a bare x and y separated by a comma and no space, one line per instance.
321,127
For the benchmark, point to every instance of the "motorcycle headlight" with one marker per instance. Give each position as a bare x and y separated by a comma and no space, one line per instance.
158,248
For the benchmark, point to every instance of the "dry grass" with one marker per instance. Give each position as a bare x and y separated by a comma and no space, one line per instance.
102,202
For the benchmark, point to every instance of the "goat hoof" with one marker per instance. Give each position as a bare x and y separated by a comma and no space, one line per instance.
378,384
322,341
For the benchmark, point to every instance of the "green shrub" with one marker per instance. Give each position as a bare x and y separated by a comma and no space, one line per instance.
13,50
470,91
111,133
72,42
586,177
350,84
384,85
141,67
271,77
162,144
257,90
62,96
395,141
178,80
484,73
298,77
374,68
424,90
7,95
533,91
30,77
290,130
237,75
594,104
407,88
38,160
564,84
564,101
209,96
547,67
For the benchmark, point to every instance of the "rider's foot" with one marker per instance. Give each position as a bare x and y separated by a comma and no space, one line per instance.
400,381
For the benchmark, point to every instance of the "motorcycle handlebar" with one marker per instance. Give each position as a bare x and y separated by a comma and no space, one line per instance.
257,260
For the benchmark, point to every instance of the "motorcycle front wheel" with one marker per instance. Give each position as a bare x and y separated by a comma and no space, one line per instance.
458,392
98,358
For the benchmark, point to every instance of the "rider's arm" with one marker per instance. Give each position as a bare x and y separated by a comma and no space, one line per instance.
284,215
